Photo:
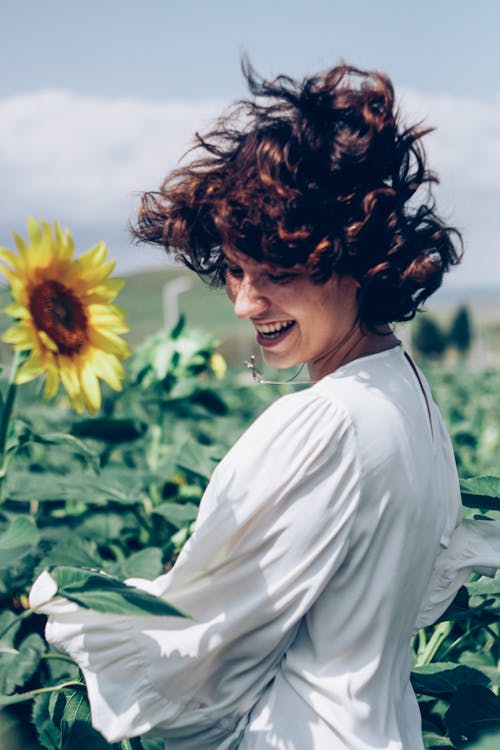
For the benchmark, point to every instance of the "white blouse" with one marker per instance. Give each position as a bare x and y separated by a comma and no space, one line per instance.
328,534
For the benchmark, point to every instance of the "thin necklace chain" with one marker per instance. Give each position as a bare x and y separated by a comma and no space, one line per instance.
260,380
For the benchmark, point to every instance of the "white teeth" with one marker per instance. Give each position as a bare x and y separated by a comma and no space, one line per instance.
274,327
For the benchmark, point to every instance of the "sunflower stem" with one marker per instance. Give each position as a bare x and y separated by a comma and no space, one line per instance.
8,406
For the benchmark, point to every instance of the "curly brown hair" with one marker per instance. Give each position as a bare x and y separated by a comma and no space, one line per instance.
317,173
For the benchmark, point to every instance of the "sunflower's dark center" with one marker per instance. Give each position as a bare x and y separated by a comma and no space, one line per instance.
58,311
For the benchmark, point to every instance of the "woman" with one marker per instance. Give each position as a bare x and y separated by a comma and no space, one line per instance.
332,529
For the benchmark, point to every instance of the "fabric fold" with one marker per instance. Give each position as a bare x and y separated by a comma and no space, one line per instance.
474,547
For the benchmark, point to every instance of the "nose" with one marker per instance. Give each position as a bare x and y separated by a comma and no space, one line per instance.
247,298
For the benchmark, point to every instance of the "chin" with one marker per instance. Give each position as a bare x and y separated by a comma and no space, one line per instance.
279,363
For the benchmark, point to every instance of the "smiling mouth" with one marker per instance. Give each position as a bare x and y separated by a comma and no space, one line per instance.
270,331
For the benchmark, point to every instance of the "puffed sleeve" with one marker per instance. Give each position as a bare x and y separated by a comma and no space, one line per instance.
474,547
273,527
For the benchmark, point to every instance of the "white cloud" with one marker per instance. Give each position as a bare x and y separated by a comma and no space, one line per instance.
465,145
83,159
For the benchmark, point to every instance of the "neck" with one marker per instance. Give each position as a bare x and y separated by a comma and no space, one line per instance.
353,345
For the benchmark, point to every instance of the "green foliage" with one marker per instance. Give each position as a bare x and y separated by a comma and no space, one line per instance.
428,338
100,500
105,593
461,334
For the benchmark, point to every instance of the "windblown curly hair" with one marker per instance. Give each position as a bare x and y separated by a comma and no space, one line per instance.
317,173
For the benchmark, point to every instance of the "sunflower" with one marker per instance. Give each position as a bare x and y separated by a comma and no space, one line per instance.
64,316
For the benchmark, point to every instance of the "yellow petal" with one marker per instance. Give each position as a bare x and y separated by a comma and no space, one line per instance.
9,257
105,292
109,323
51,381
69,377
32,368
19,291
92,259
109,342
34,231
15,310
22,249
90,387
92,275
47,341
78,402
107,367
20,333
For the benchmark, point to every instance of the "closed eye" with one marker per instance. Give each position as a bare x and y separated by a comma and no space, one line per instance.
237,273
281,278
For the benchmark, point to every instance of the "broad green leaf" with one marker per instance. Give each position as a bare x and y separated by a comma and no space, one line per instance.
76,730
433,740
104,593
9,625
484,587
110,430
73,550
19,539
148,744
474,709
11,700
103,527
17,666
488,741
147,563
481,492
444,677
178,514
42,715
210,400
83,487
197,459
73,443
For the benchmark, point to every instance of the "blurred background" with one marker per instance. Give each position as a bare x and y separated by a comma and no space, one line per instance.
99,100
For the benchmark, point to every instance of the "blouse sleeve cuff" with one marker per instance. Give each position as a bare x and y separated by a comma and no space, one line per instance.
116,656
474,548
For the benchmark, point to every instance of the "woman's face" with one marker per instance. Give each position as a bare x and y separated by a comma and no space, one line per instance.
295,320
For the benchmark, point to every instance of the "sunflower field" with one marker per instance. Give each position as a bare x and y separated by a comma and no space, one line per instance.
104,456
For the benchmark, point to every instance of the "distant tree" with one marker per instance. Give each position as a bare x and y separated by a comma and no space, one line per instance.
428,339
461,333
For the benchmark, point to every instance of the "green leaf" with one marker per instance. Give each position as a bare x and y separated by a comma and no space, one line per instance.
110,430
148,744
211,401
178,514
87,488
18,540
77,446
441,678
74,550
42,716
104,593
178,328
484,587
17,666
433,740
481,492
488,741
147,563
474,709
76,729
11,700
197,459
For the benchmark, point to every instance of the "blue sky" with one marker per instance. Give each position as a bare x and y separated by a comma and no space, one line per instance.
99,99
